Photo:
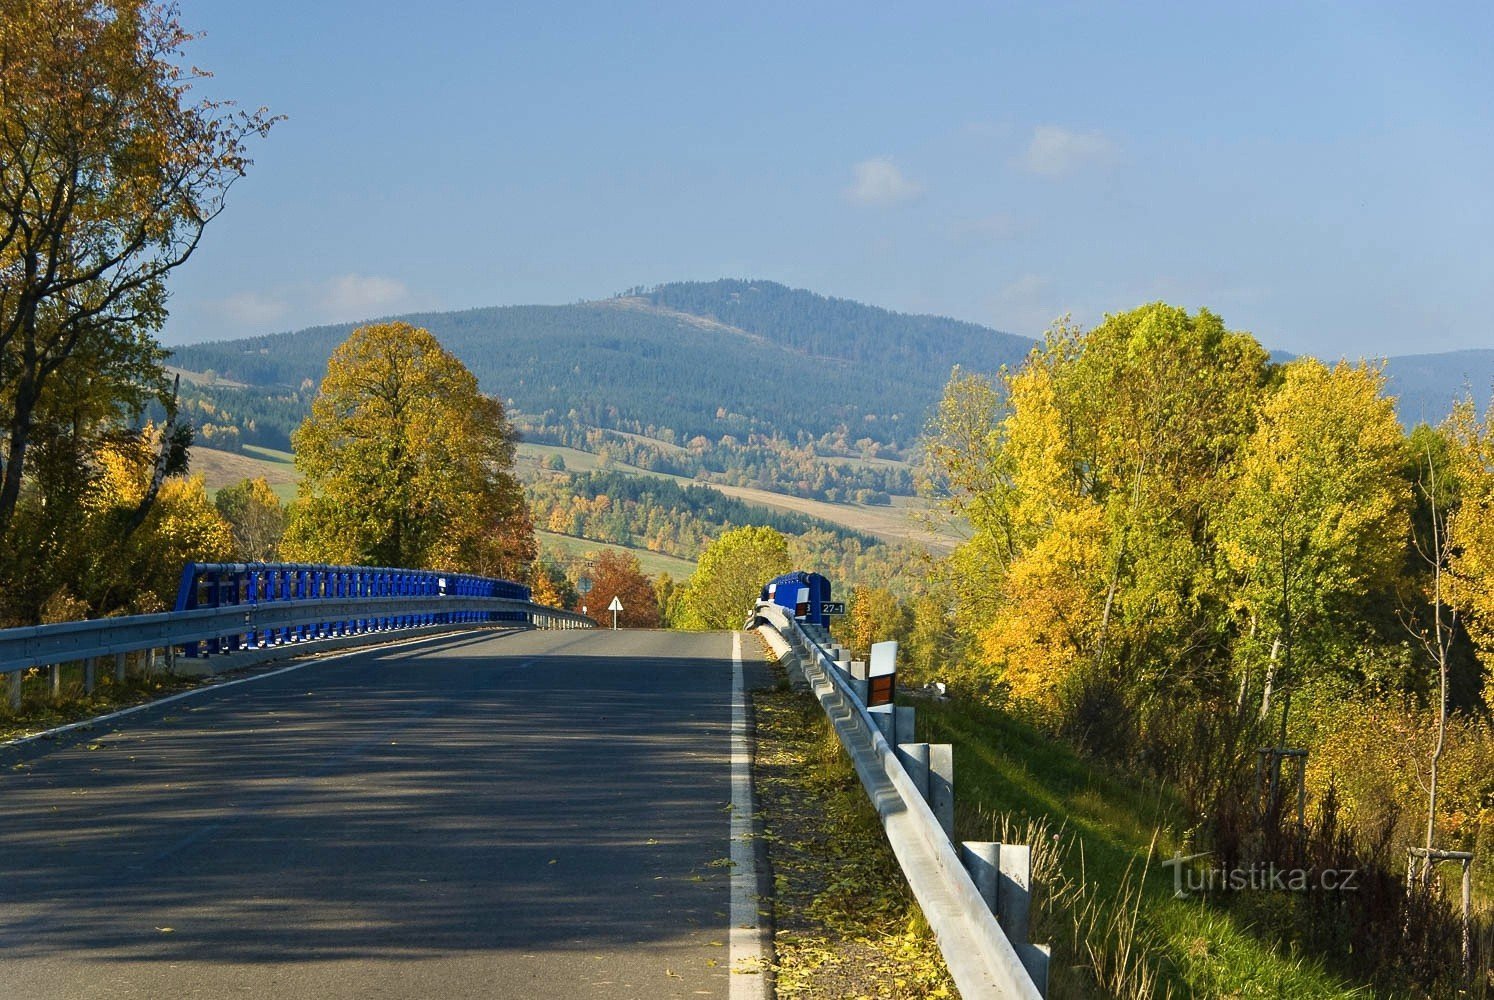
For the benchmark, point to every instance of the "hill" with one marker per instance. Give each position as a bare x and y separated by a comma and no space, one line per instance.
724,359
750,385
1427,384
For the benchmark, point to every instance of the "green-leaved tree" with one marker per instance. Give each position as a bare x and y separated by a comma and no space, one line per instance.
729,576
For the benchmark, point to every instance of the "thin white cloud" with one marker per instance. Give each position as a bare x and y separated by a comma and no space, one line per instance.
360,296
995,228
251,309
1054,151
1024,305
878,181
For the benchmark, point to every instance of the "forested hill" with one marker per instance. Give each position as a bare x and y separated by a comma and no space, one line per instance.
711,359
732,365
821,327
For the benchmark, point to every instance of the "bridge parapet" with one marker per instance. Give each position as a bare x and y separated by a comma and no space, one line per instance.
261,611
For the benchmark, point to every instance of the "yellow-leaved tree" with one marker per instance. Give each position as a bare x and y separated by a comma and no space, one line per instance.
406,463
1319,514
1471,526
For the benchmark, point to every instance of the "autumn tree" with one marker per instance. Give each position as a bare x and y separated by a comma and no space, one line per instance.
109,173
617,573
873,614
1089,478
406,463
730,575
1319,513
140,570
1471,527
256,516
551,587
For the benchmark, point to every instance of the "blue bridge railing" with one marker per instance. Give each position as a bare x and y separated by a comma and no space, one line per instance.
266,610
221,585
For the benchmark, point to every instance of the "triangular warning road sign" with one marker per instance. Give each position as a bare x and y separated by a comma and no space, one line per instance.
616,605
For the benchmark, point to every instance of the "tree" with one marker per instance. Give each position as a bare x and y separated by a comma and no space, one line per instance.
254,513
1435,628
1090,478
729,576
617,574
406,463
1319,514
669,592
1471,527
108,176
552,587
873,615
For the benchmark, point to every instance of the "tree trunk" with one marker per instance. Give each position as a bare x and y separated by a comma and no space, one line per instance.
15,459
1270,680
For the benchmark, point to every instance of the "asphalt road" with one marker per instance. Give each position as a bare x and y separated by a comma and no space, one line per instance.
536,815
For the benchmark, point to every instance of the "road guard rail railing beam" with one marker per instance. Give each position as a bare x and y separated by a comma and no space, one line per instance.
266,627
983,960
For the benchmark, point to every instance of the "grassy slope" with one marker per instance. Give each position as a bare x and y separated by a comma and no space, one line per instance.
1004,766
652,563
224,468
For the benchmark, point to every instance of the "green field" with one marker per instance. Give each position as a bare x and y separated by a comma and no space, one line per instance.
225,468
653,563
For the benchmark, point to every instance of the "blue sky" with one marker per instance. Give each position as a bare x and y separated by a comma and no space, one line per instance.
1320,174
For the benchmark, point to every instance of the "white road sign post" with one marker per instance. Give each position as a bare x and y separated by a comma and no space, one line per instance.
615,607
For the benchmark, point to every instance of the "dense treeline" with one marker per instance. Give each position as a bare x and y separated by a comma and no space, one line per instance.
1182,553
227,418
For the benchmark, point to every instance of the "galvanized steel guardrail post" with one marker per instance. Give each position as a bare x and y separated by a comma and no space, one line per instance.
258,611
976,895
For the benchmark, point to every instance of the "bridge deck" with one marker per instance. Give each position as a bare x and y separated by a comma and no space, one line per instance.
537,815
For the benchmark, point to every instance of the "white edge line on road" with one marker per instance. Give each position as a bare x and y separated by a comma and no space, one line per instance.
218,686
749,979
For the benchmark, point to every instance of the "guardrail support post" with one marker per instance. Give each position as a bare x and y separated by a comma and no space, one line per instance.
90,669
915,760
15,690
858,679
941,785
1003,875
982,859
119,667
904,725
1014,895
56,681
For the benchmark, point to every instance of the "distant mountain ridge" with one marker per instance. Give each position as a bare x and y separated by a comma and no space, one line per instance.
1427,384
712,359
722,359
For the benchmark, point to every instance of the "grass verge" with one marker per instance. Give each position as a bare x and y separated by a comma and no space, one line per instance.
1105,902
40,711
846,925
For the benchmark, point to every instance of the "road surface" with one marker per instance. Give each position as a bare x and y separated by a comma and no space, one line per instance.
542,814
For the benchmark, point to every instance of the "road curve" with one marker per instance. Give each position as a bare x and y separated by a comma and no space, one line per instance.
543,814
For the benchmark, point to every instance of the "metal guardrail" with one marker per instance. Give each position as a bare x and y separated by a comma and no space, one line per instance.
270,609
984,962
221,584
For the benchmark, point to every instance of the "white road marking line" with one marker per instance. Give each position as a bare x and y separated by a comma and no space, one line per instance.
192,692
749,979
